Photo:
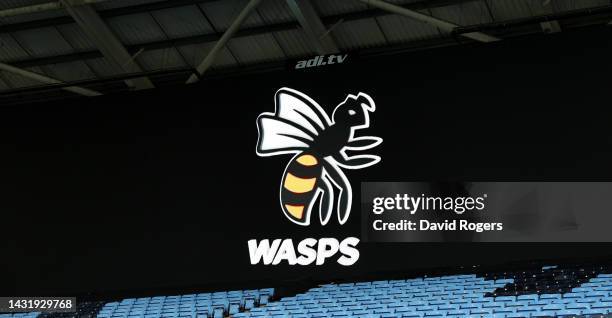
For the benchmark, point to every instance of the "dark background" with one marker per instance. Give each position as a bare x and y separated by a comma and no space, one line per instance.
160,190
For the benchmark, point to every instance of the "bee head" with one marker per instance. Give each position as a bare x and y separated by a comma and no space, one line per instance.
354,111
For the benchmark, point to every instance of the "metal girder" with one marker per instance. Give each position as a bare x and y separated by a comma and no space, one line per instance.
227,35
47,80
102,36
439,23
312,25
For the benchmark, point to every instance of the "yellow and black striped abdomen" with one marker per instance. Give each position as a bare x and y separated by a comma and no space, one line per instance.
298,186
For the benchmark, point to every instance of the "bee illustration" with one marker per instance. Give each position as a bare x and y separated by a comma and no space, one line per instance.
301,127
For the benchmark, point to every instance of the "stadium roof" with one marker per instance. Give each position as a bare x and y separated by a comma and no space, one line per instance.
55,49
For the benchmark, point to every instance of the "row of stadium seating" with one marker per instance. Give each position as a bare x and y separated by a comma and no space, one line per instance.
458,296
551,291
216,305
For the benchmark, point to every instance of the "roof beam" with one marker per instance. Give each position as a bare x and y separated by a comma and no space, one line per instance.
312,25
101,35
227,35
47,80
438,23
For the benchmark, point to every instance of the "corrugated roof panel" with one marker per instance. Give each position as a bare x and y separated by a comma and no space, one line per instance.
161,59
511,9
275,11
10,49
258,48
295,43
223,13
326,7
43,42
182,21
122,3
195,53
136,28
399,29
76,37
68,72
356,34
468,13
102,67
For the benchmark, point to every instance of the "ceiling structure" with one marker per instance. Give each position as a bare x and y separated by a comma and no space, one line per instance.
60,49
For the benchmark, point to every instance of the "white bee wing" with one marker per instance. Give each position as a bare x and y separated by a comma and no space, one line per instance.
294,125
277,136
301,110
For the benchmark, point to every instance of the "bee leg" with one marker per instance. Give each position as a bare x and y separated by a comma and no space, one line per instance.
326,202
357,162
345,196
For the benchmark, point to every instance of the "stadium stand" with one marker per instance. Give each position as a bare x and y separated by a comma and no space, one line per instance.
550,291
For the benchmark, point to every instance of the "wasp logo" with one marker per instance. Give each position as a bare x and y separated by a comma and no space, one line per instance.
301,127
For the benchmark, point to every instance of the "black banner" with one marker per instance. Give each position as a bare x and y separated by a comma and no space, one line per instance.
163,190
